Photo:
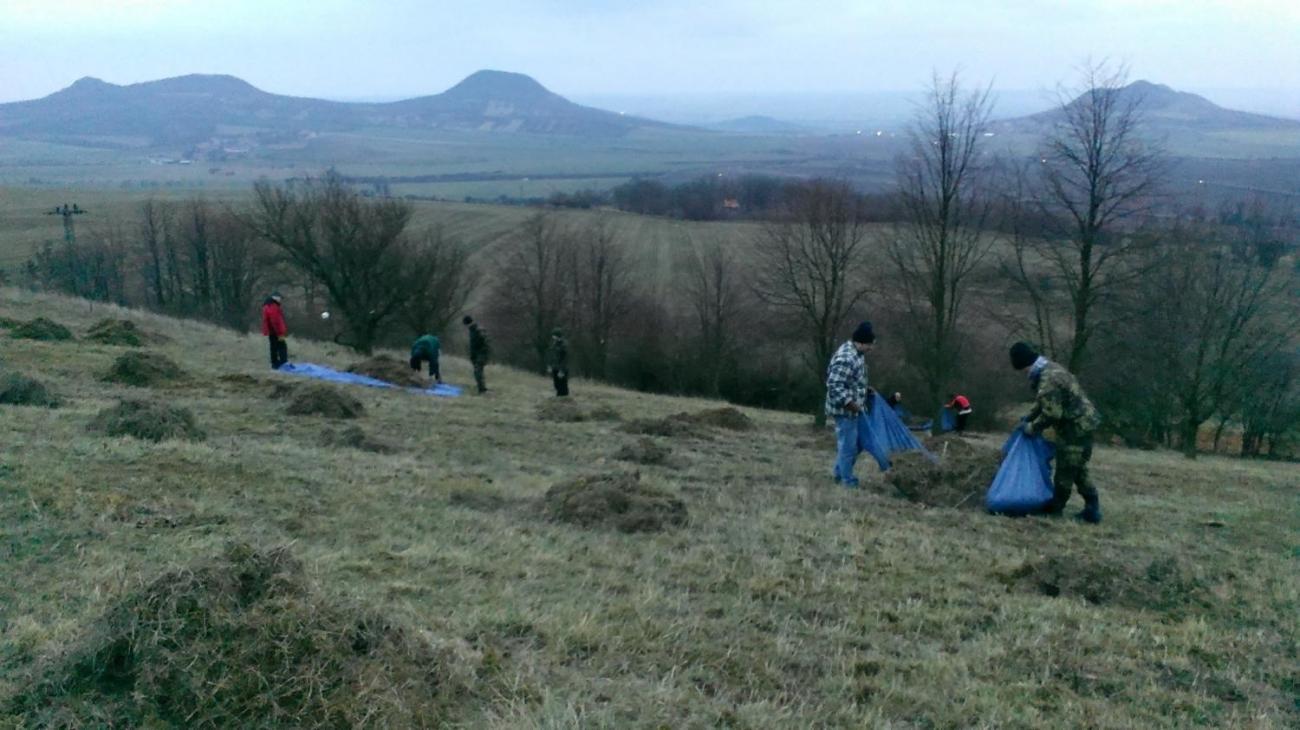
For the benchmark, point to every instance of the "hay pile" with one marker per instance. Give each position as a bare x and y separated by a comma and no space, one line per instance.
618,501
20,390
244,640
322,400
960,479
691,425
240,381
390,370
41,329
121,332
147,421
354,437
644,451
568,410
1162,583
144,370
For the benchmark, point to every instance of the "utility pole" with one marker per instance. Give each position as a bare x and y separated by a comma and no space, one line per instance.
69,231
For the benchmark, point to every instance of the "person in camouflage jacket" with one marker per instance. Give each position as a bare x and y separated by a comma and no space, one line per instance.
1061,405
846,397
479,351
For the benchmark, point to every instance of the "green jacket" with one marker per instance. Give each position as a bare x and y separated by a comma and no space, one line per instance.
479,350
426,348
557,357
1060,403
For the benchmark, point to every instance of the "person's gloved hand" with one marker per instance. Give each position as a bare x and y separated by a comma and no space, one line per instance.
1027,428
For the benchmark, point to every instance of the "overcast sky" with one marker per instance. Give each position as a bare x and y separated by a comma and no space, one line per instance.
393,48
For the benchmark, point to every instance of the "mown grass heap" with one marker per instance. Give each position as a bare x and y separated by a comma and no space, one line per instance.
147,421
389,370
643,451
20,390
322,400
144,370
618,501
959,479
568,410
355,437
691,425
41,329
120,332
244,640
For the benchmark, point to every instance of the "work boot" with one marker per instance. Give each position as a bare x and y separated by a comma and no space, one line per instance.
1091,511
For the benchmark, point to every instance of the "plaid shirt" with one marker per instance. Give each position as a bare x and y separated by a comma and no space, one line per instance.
846,381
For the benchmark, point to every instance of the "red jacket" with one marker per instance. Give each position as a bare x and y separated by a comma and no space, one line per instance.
960,403
273,320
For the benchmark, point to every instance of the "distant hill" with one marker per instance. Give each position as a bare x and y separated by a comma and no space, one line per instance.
197,108
758,124
1164,107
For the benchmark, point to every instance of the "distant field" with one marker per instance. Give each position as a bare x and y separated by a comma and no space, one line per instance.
24,224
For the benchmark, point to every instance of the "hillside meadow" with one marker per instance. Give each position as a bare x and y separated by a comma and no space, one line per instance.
771,599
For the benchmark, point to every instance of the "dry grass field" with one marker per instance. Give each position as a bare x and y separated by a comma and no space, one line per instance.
257,577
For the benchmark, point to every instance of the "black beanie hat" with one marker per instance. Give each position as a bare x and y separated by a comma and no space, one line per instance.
1022,355
467,319
864,334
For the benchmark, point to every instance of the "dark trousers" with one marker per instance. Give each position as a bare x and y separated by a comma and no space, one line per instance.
434,371
961,421
561,380
279,351
479,380
1073,452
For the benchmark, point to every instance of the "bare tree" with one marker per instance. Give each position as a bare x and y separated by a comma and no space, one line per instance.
356,249
1097,171
236,260
941,241
443,265
809,265
713,286
531,293
601,293
155,233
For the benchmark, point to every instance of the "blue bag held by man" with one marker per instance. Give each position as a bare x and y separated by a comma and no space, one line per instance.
1023,484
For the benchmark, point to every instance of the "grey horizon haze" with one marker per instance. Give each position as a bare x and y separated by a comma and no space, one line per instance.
1238,52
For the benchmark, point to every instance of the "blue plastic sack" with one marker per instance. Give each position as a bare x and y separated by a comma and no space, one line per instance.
1023,484
947,420
870,442
320,372
890,431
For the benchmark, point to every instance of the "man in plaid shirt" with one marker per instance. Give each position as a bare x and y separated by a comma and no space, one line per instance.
846,396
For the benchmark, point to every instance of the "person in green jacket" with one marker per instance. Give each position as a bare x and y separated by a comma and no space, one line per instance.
1061,405
557,361
426,349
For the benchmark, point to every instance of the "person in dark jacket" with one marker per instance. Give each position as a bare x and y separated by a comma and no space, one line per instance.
960,405
275,330
479,351
1061,405
557,361
426,349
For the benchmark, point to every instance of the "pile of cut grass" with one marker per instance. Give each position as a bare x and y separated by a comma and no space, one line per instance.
20,390
244,640
120,332
323,400
569,410
644,451
144,370
390,370
41,329
355,437
147,421
960,478
618,501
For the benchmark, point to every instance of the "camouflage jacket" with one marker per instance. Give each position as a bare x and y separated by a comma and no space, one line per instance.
1060,403
479,349
846,381
557,357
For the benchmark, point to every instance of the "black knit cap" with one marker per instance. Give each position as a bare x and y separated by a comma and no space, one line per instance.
864,334
467,319
1023,355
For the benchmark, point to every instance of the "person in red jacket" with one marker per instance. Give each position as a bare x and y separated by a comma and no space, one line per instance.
960,404
275,330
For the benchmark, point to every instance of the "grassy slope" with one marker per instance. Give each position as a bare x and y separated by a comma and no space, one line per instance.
785,603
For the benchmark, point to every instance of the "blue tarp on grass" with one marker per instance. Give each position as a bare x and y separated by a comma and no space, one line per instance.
1023,484
320,372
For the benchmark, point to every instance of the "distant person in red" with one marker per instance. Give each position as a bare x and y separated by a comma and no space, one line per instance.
275,330
960,404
